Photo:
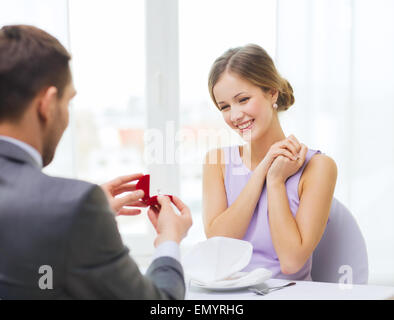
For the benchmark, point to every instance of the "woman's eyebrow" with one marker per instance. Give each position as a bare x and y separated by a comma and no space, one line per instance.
238,95
222,102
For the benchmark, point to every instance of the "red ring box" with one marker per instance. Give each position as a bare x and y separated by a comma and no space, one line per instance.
144,185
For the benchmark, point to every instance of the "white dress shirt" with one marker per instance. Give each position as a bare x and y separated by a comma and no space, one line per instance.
168,249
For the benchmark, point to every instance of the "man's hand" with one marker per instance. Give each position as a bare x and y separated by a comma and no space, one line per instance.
120,186
169,225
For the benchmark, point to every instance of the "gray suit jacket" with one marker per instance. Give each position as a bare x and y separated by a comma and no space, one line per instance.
67,225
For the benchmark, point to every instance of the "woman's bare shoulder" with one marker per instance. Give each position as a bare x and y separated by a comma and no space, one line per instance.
215,158
321,162
319,168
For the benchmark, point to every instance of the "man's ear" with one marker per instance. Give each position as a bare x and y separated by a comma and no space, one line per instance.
47,101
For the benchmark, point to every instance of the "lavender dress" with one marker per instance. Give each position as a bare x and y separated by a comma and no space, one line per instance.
258,234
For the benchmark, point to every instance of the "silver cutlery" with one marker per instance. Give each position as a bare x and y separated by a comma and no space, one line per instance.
263,292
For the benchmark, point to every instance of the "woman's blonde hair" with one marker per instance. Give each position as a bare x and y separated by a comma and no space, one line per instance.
252,63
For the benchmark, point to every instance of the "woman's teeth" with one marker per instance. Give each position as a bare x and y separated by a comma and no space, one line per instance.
245,125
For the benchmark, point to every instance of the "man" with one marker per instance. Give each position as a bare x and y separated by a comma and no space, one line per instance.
58,237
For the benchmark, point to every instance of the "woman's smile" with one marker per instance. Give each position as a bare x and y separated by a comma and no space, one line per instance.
246,126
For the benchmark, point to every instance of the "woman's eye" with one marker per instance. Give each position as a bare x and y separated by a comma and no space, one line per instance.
224,107
244,100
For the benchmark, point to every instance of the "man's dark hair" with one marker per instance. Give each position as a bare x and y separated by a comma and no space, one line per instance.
30,60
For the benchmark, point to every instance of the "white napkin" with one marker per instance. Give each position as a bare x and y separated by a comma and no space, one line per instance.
216,259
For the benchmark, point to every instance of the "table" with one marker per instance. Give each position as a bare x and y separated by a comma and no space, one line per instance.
303,290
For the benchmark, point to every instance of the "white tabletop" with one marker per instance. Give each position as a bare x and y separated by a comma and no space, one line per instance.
303,290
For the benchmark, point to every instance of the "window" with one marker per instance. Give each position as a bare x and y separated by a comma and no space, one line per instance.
107,41
206,30
52,17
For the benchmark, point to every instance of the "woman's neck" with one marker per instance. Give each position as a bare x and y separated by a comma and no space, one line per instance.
255,151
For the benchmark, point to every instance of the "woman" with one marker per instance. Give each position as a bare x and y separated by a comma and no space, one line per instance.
272,191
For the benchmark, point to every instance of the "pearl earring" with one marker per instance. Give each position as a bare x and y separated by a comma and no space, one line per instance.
275,106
